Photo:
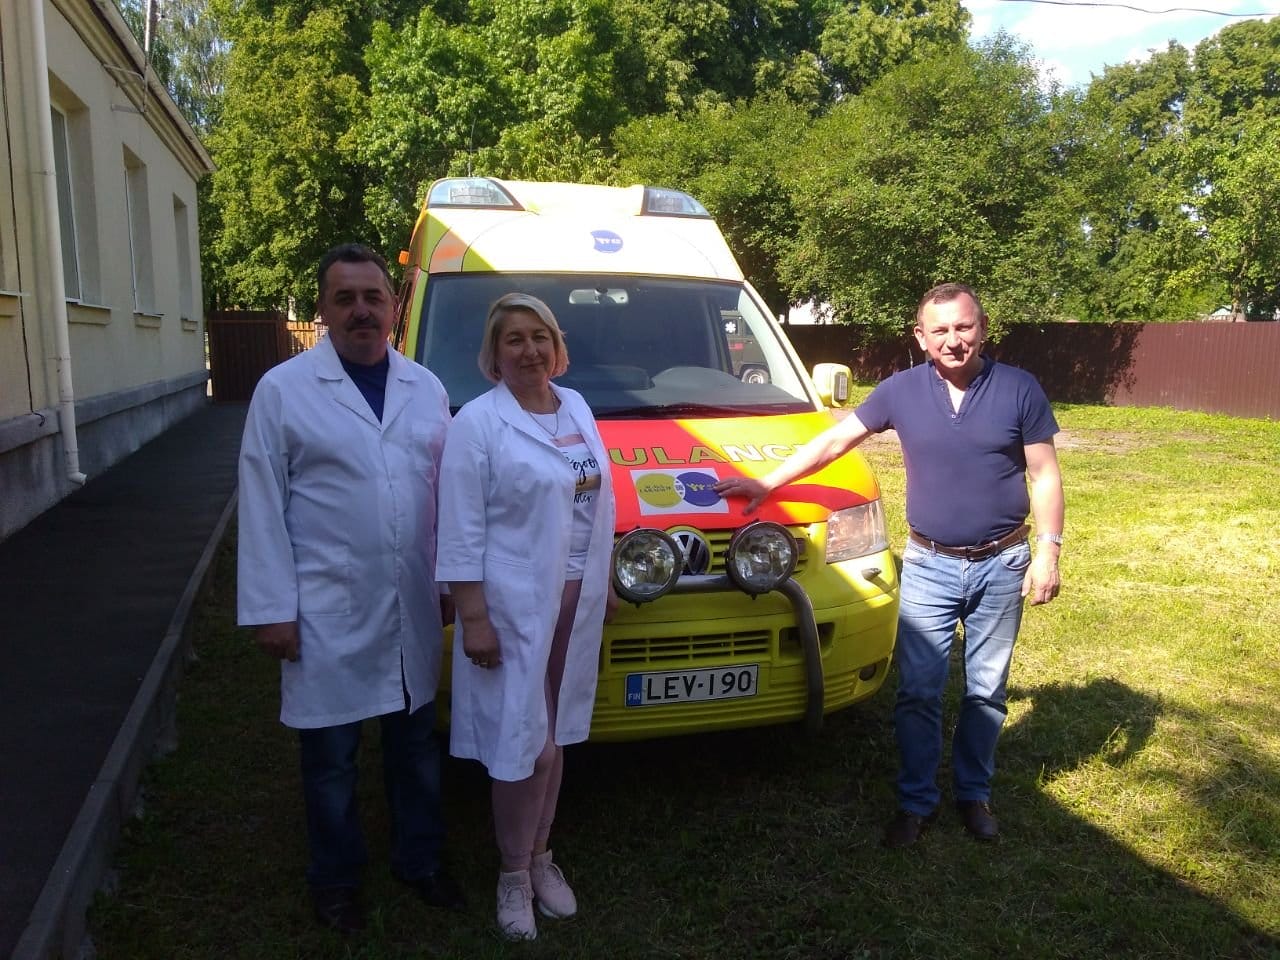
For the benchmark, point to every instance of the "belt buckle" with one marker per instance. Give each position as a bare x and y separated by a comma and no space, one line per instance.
981,552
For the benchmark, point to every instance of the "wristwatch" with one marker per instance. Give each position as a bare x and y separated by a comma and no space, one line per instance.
1049,537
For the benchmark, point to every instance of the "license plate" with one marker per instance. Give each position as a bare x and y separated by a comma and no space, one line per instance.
687,686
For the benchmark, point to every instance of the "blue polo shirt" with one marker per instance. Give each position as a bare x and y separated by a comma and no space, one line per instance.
966,470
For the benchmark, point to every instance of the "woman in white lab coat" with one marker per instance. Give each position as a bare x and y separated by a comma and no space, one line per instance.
525,539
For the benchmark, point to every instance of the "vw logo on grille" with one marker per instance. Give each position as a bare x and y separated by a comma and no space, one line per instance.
697,552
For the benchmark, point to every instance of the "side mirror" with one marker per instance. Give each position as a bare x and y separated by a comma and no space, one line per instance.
834,381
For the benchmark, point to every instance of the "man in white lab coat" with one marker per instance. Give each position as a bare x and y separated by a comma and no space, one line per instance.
338,476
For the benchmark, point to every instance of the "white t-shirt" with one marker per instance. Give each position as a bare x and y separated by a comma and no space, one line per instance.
579,456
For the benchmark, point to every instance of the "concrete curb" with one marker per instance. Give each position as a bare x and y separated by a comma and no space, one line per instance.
56,927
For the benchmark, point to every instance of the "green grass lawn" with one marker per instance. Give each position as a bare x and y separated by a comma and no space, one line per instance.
1138,783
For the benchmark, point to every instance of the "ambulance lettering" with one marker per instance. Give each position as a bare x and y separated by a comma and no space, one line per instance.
749,452
698,454
732,453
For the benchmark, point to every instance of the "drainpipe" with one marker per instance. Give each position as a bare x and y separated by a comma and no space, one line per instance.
45,186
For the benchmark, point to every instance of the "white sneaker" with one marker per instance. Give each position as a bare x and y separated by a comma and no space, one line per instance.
554,895
515,906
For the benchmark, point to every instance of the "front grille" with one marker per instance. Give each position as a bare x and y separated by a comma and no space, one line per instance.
718,541
717,647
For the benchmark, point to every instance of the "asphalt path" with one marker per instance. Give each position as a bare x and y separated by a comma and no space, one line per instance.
87,593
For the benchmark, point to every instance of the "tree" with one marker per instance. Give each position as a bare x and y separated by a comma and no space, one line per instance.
939,171
432,92
862,42
1125,141
730,157
286,186
679,55
1240,242
554,61
188,54
1229,165
524,91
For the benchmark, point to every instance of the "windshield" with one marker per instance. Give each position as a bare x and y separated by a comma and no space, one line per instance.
639,347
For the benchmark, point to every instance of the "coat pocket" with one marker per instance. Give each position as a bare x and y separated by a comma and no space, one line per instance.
324,581
511,589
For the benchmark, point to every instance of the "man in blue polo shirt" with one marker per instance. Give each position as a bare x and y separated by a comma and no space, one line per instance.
972,432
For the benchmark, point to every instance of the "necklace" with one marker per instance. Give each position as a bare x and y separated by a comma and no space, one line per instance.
554,431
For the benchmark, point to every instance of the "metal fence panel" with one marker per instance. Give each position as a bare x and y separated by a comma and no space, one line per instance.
1231,368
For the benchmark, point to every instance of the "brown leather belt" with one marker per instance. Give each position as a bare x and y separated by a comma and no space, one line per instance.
981,551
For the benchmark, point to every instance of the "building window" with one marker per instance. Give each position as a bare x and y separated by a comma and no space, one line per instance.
66,206
74,179
8,233
140,252
182,231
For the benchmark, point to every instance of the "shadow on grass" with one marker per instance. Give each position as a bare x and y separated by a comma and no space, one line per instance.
1235,793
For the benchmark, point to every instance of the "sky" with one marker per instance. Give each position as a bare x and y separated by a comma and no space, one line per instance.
1073,42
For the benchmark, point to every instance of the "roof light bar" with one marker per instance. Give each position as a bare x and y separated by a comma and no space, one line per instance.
471,192
661,202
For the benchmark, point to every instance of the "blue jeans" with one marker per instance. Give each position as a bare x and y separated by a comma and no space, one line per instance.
939,592
411,770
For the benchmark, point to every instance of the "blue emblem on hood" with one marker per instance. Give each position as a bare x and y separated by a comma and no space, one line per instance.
606,241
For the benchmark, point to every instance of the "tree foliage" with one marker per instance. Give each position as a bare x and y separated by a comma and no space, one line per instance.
526,92
188,53
939,171
1126,140
861,42
853,153
730,157
285,185
1230,166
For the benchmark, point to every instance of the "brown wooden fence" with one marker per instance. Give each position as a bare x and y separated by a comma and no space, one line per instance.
245,344
1231,368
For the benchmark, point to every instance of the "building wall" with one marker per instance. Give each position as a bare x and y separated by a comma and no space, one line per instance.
125,174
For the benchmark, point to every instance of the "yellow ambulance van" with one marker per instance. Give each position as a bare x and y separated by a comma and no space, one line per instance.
732,621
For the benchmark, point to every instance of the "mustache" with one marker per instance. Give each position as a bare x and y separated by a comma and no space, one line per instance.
362,321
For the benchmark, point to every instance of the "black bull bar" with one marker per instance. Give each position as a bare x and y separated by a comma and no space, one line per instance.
806,624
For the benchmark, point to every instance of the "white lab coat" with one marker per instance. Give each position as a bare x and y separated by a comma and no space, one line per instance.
506,514
337,532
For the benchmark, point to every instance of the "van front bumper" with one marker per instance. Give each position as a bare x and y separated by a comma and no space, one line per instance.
811,659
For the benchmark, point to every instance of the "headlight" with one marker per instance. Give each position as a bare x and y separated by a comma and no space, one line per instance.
760,557
646,564
856,532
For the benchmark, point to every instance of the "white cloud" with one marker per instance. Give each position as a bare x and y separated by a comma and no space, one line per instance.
1077,41
1056,70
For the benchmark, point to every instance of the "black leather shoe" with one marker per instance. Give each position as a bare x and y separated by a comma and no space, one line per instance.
338,909
906,828
437,890
978,819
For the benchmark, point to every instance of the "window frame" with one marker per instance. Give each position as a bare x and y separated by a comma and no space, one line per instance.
68,223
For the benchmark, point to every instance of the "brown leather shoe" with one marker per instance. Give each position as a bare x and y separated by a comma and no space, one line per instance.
978,819
906,828
338,908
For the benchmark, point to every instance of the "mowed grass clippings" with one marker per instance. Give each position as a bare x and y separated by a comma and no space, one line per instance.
1138,783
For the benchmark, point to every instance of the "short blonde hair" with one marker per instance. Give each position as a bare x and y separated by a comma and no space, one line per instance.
513,303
